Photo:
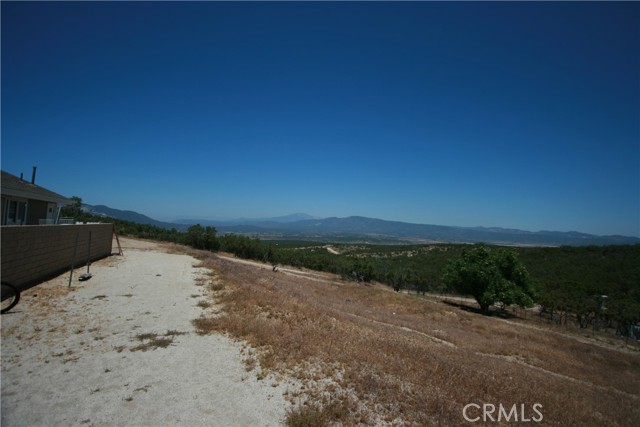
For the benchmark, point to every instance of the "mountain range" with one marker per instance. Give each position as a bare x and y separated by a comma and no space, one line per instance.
370,230
106,211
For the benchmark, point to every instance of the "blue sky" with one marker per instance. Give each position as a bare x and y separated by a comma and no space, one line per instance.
521,115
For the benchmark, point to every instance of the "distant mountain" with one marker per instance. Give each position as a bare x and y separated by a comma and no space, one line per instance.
290,218
106,211
370,230
362,229
259,222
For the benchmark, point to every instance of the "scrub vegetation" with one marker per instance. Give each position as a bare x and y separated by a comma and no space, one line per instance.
367,355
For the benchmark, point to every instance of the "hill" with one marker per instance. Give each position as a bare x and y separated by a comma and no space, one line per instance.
431,358
361,229
106,211
260,222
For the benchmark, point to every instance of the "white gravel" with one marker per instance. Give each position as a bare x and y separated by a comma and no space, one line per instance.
70,357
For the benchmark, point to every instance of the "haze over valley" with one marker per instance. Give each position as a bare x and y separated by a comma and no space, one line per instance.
370,230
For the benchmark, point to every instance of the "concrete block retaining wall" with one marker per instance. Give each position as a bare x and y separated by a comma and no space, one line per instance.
34,253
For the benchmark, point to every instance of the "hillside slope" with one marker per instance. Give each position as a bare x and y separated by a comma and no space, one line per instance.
126,215
367,355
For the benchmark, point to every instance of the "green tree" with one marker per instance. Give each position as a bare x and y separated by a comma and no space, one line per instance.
201,237
74,210
76,206
399,278
624,309
194,236
491,276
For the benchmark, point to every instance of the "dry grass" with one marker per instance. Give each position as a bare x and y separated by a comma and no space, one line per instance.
315,414
367,356
152,341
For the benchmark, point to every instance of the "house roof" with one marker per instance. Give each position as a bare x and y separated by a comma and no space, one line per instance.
13,186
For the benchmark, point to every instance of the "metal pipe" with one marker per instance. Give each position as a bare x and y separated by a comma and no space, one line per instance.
73,260
89,254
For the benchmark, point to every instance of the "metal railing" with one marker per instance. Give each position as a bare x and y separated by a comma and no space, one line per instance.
61,221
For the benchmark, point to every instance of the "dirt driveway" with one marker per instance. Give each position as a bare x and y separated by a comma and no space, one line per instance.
120,349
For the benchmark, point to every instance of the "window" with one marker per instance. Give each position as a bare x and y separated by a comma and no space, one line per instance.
16,212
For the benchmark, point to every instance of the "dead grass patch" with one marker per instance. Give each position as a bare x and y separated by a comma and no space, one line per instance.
205,325
315,414
391,358
153,341
216,286
204,304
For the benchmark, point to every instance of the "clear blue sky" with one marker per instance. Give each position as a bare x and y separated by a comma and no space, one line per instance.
523,115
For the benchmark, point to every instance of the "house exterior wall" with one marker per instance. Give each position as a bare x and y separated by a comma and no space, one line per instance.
36,210
34,253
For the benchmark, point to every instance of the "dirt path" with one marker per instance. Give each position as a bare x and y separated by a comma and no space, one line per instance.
291,271
120,349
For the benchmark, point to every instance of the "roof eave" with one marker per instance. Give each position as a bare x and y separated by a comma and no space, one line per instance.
30,196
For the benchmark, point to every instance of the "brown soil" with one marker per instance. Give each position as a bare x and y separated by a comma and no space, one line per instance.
367,355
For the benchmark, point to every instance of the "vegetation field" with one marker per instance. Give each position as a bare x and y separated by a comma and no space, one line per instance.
369,356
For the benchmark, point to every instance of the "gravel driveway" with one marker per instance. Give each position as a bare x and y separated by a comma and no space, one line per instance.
120,349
